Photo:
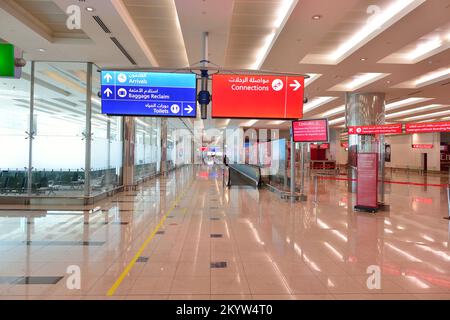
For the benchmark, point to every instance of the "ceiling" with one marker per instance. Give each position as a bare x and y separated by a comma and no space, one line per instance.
400,47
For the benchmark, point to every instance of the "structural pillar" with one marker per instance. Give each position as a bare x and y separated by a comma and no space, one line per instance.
365,109
128,151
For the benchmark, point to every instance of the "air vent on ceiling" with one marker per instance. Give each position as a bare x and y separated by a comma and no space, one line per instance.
101,24
122,49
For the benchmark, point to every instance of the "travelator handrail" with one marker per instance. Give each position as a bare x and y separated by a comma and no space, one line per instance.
250,172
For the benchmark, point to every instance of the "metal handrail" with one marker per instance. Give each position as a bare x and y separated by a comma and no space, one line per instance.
257,181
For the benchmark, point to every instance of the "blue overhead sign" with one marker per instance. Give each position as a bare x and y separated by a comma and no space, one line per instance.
149,94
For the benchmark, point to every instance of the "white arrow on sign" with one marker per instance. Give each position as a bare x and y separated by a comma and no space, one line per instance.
188,109
108,77
297,85
108,92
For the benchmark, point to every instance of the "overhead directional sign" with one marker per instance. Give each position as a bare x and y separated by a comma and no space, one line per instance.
376,129
427,127
257,96
149,94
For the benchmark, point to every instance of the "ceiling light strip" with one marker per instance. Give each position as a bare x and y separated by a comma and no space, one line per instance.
376,23
317,102
283,15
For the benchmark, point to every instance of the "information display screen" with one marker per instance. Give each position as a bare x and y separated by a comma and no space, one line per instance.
257,96
315,130
149,94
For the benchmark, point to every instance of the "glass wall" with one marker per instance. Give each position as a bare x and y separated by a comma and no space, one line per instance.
147,147
60,124
179,144
70,142
14,125
60,137
106,144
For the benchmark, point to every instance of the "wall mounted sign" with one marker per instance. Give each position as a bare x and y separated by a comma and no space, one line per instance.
422,146
257,96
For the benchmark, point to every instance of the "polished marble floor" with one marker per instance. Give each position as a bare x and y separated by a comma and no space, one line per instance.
186,236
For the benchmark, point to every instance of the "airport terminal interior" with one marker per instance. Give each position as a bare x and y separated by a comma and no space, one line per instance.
225,150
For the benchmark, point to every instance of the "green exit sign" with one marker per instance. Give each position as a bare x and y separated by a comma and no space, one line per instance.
7,66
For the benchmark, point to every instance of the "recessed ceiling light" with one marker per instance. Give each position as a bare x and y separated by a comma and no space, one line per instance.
316,17
90,9
363,59
41,50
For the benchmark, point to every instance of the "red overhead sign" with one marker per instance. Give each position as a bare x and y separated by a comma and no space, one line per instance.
315,130
427,127
422,146
376,129
257,96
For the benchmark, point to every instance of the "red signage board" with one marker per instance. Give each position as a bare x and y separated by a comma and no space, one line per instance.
314,130
367,188
257,96
427,127
376,129
344,144
422,146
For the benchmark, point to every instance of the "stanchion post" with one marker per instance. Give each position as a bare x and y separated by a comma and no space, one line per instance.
292,167
316,178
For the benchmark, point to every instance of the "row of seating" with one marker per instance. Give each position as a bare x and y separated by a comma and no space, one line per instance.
15,181
145,170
